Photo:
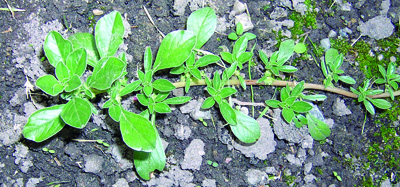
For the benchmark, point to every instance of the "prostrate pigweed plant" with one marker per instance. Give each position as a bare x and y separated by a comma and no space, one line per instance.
181,52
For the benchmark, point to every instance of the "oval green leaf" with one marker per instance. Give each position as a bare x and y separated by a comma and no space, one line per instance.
203,23
76,113
163,85
301,106
227,113
86,41
50,85
247,129
177,100
76,62
106,72
109,34
208,103
162,108
318,129
56,48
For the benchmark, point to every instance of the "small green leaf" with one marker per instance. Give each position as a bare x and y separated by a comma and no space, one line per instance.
290,100
263,57
115,112
162,108
287,69
143,99
106,72
208,103
227,91
369,107
233,36
288,114
301,107
137,132
217,80
73,83
148,59
203,23
284,94
147,90
146,163
330,56
160,96
76,62
382,70
43,124
175,49
86,41
207,60
244,57
227,112
242,82
56,48
227,57
285,51
76,113
247,129
50,85
109,34
314,97
381,103
249,36
347,79
300,48
298,89
239,28
178,70
130,88
240,47
211,91
318,129
163,85
177,100
273,103
187,84
62,72
108,103
196,73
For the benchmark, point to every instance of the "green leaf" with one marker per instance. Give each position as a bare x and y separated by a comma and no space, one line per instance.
73,83
382,70
146,163
300,48
175,48
76,62
288,114
227,112
109,34
62,72
160,96
177,100
290,100
298,89
50,85
143,99
301,107
178,70
244,57
285,51
239,28
187,84
56,48
86,41
318,129
196,73
284,94
240,47
147,90
287,69
242,82
233,36
115,112
148,60
131,87
263,57
314,97
394,85
106,72
273,103
190,61
226,56
203,23
162,108
247,129
217,80
208,103
76,113
369,107
381,103
207,60
338,63
330,56
163,85
43,124
227,91
137,132
249,36
347,79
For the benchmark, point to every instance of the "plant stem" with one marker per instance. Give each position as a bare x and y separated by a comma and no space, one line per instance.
308,86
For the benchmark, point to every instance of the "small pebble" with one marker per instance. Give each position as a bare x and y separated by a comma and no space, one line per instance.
380,57
393,59
98,12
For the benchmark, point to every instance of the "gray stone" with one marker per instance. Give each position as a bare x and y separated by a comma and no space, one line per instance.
270,170
286,3
182,132
339,108
179,7
325,43
264,145
301,8
178,92
307,168
117,153
278,13
392,59
72,150
332,34
20,153
286,131
239,7
11,126
345,7
26,164
377,28
32,182
309,178
245,20
173,177
18,98
293,160
307,142
194,108
256,177
121,182
209,183
193,155
386,183
130,176
385,5
93,163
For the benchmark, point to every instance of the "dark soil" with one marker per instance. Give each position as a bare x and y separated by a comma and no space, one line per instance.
20,58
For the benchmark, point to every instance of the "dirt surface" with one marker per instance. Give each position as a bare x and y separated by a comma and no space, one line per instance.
77,163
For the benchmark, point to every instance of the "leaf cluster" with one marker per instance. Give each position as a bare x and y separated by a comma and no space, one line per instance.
389,78
331,68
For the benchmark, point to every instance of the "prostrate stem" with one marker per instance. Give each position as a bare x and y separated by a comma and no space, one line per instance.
309,86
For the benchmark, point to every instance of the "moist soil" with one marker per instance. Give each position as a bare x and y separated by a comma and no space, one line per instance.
24,163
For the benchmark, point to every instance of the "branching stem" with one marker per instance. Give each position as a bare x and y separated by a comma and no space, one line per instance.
308,86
